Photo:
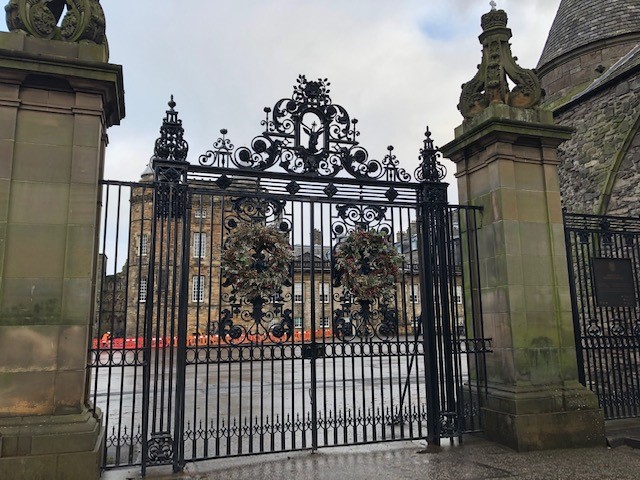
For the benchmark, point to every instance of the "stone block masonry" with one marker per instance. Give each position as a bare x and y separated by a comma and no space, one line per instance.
600,164
57,100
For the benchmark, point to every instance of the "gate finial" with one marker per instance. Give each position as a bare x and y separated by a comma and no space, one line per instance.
430,169
171,144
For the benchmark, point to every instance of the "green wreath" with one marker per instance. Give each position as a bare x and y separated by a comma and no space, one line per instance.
369,265
256,259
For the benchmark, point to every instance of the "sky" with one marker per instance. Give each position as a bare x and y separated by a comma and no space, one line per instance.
396,65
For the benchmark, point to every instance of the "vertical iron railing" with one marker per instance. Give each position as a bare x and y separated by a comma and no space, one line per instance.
470,344
115,363
427,241
320,387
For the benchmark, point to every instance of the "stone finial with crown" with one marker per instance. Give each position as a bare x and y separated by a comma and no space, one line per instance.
490,85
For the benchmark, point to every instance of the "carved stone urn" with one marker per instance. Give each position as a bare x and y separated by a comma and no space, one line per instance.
83,19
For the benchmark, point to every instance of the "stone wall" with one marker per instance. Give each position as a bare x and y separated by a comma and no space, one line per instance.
625,195
603,125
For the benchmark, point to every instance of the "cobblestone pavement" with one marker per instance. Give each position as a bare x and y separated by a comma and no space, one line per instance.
475,459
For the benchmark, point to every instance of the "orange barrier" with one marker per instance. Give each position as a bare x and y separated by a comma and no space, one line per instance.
132,343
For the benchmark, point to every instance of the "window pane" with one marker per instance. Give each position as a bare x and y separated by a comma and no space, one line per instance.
414,294
199,245
142,294
324,292
198,288
297,292
297,322
143,246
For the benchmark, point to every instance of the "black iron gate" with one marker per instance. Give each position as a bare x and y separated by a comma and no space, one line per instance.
333,303
604,271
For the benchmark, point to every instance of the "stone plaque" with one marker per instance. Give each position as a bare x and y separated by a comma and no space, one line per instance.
613,280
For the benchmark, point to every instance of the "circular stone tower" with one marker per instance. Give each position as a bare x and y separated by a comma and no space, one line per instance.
590,69
587,38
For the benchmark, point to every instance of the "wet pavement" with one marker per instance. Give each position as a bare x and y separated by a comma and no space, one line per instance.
475,459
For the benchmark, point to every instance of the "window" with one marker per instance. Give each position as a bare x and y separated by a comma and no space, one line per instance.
142,293
459,295
199,245
325,322
197,294
199,211
325,292
414,296
143,246
297,292
417,324
297,322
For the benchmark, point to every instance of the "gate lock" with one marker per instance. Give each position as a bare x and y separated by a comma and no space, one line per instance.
312,351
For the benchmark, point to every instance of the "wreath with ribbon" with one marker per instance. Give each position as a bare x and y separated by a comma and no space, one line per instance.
256,259
368,264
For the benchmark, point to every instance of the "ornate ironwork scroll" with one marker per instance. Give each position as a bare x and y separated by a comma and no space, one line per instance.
160,448
307,134
359,216
84,19
253,209
359,320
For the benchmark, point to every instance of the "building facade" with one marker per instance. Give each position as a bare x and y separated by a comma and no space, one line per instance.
312,299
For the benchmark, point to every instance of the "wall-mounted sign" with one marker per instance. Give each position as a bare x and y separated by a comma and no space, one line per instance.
613,281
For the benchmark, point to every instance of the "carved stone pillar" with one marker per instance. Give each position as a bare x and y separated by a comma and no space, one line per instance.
505,153
57,98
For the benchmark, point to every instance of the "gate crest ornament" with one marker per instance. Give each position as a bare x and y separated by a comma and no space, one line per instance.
307,134
84,19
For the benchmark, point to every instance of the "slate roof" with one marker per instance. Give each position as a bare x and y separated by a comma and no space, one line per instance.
581,22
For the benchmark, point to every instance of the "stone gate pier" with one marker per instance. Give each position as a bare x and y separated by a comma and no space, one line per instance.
58,95
505,152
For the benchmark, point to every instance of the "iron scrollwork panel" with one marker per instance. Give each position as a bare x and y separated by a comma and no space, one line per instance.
160,448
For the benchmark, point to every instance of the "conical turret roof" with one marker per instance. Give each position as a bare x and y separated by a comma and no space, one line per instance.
581,22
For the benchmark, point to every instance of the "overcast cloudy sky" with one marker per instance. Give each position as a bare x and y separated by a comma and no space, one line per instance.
396,65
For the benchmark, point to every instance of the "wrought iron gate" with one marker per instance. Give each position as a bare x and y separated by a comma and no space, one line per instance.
205,347
604,270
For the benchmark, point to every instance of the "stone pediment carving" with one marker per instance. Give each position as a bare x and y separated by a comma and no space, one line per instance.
491,85
83,20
